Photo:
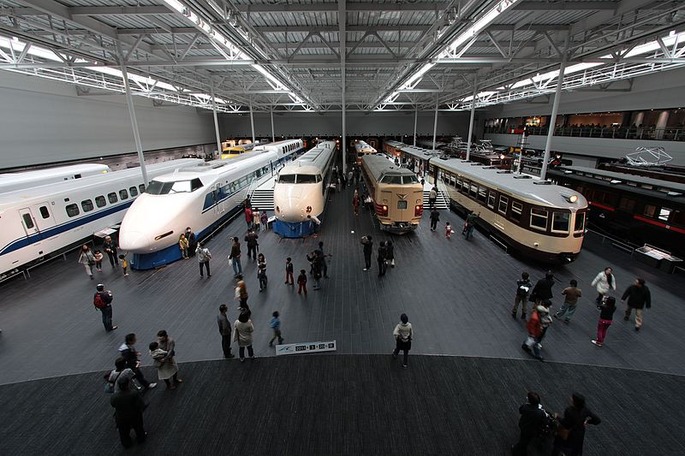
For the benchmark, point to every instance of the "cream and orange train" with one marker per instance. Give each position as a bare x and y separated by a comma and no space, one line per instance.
396,192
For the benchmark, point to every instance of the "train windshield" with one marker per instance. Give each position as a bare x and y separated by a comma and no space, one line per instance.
308,178
164,188
286,178
412,179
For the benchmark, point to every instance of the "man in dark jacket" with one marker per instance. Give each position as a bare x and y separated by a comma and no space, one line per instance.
128,405
224,330
435,218
543,289
382,252
573,423
368,250
530,423
251,240
129,353
102,300
638,297
192,241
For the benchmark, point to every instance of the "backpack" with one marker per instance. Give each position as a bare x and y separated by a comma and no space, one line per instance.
548,426
99,301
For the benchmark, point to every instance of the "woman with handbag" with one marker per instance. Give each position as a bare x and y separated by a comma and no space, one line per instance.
571,429
87,259
168,361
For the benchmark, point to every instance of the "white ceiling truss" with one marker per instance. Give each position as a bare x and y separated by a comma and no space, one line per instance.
289,55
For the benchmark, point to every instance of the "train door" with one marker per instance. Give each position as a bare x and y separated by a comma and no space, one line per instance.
219,200
28,221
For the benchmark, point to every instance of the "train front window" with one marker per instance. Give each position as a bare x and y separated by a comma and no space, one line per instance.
538,219
412,179
306,178
286,179
560,222
580,222
391,180
164,188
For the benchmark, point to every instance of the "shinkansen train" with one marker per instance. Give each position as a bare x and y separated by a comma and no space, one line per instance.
396,192
46,220
27,179
201,196
638,209
542,220
300,191
362,148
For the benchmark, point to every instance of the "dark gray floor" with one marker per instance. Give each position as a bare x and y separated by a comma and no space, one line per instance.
347,405
457,295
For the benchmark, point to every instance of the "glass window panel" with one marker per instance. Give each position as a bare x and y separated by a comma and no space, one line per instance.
538,219
87,205
44,212
112,197
72,210
503,203
560,222
28,220
580,222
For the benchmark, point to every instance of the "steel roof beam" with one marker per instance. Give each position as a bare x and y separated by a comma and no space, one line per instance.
333,7
334,29
155,30
118,10
565,6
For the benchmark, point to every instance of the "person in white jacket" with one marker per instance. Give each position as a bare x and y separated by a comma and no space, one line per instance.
604,282
403,336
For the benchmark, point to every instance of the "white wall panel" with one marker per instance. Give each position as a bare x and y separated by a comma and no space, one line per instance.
43,121
656,91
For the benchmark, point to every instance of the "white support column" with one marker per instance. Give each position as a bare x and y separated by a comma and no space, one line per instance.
435,121
132,115
273,137
216,124
342,23
416,121
473,116
553,116
252,122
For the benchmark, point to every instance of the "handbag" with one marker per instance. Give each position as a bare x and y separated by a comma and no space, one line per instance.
562,432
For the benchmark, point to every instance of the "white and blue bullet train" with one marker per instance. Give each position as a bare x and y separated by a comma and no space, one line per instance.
26,179
300,191
46,220
201,196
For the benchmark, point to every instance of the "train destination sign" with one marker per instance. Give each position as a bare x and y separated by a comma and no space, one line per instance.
305,347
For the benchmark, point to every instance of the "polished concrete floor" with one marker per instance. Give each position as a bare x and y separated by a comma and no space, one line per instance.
457,294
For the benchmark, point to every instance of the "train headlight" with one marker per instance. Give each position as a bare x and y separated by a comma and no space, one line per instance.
570,198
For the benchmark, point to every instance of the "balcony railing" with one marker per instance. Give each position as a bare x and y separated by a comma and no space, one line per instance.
658,134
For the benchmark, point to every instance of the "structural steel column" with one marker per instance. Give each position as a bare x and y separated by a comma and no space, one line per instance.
132,115
252,122
473,116
553,117
342,23
273,137
216,124
435,122
416,120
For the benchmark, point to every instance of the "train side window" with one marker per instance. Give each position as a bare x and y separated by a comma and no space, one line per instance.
503,203
649,210
482,194
465,187
516,210
678,218
28,221
560,222
664,213
141,188
626,204
72,210
87,205
491,199
123,194
112,197
133,191
44,212
100,201
474,190
538,219
580,222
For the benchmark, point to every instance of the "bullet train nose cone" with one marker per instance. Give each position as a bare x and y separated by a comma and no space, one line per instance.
133,241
